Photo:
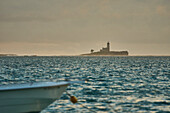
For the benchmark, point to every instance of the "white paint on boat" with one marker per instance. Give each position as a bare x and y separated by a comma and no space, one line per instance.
29,97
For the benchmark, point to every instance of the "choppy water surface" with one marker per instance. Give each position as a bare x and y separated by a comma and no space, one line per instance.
115,84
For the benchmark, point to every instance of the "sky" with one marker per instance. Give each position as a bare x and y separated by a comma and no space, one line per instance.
73,27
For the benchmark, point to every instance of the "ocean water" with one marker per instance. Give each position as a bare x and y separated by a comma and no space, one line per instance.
113,84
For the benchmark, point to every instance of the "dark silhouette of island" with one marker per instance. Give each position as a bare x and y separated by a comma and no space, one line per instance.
106,52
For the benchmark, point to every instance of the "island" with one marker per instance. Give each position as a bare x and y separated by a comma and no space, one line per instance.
106,52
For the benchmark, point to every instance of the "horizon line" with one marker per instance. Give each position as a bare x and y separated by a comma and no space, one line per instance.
2,54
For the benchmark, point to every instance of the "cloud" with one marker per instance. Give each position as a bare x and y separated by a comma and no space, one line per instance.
162,10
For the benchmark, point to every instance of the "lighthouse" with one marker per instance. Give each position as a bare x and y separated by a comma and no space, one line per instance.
108,46
106,51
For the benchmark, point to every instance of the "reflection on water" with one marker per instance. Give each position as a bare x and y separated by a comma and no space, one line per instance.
114,84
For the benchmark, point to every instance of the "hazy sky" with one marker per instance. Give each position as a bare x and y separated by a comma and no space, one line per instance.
73,27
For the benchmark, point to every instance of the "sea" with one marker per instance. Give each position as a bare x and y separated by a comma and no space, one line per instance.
127,84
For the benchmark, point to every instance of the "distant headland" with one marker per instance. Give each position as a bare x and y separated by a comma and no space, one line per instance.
8,54
106,52
16,55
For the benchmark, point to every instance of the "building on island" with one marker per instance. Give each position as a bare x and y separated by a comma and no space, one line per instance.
106,52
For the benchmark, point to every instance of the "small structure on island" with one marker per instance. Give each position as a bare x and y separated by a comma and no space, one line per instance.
106,52
92,50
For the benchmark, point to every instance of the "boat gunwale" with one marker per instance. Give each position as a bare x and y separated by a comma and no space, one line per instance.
34,87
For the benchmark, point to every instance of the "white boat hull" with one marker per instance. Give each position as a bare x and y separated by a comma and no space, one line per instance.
32,99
